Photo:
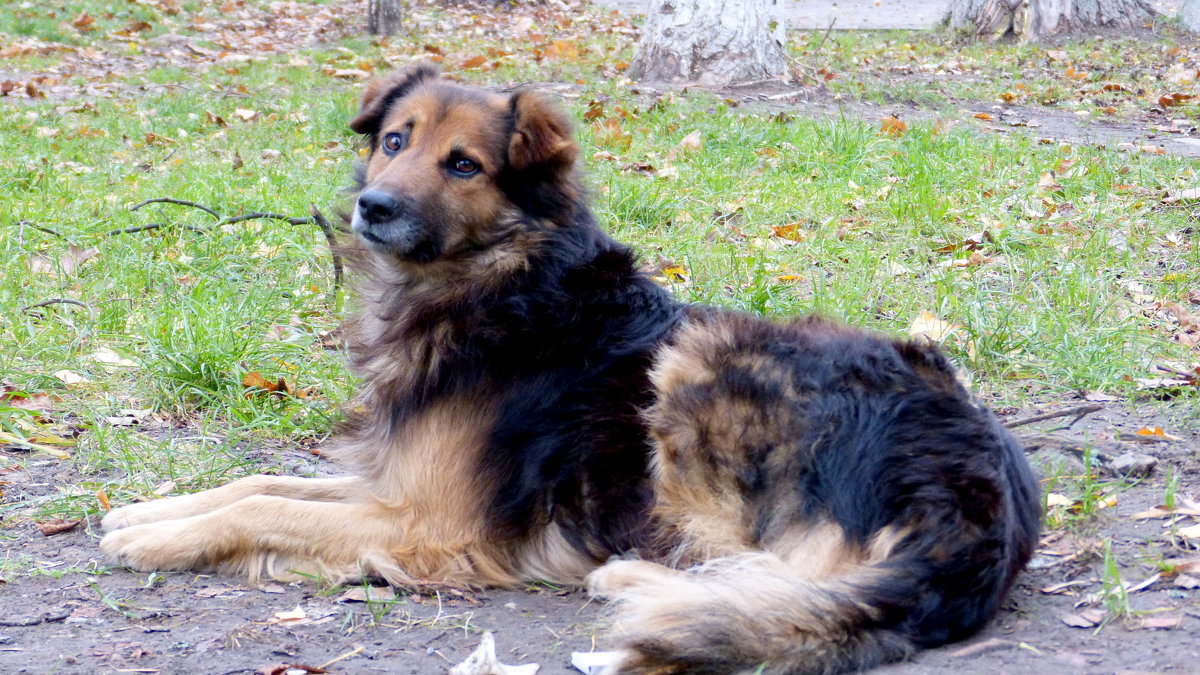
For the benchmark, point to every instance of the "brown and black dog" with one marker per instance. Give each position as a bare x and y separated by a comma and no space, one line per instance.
803,497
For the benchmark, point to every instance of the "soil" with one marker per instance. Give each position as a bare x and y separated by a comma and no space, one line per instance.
65,612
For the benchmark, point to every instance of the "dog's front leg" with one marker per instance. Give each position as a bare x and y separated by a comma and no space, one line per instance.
185,506
262,533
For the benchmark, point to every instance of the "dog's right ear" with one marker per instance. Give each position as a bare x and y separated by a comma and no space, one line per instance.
383,91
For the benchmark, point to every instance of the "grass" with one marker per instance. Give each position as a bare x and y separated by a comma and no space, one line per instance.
1045,291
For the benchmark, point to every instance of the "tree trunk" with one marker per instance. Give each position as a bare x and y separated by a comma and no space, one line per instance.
383,16
1028,20
1189,15
710,41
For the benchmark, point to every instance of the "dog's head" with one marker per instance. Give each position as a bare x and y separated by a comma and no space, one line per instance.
453,169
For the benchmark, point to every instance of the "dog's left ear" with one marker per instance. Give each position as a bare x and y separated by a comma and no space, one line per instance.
541,133
381,92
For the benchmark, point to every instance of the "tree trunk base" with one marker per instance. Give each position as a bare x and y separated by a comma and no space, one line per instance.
710,42
383,17
1027,20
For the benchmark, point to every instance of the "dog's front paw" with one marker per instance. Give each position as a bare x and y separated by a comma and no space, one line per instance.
151,546
624,575
156,510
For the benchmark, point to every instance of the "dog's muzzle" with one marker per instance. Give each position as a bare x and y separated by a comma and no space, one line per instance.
391,225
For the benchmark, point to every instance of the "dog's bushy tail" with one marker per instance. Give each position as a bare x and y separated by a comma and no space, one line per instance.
750,614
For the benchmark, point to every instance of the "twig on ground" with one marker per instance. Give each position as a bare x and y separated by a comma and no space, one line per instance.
316,218
1077,411
264,214
45,617
180,202
26,223
58,301
331,239
62,301
151,226
1180,373
826,35
1080,449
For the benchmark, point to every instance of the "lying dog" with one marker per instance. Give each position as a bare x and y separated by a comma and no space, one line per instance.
803,497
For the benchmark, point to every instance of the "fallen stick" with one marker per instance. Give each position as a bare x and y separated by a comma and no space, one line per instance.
1078,411
180,202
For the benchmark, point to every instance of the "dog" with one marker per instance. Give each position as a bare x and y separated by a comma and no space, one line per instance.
799,497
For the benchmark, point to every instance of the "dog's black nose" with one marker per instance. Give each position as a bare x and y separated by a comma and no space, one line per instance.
377,206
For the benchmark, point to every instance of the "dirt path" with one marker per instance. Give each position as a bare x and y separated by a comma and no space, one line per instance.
66,613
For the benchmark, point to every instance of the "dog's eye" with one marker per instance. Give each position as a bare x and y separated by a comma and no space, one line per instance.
464,167
394,142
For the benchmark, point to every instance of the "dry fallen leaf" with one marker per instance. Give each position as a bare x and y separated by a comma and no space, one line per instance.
1155,433
368,593
1161,622
69,378
108,357
57,526
292,614
930,328
892,126
691,143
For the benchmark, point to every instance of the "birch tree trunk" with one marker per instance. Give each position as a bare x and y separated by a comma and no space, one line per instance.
383,16
1028,20
710,41
1189,15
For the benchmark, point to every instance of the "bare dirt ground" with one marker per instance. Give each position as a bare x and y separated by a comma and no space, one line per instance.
74,615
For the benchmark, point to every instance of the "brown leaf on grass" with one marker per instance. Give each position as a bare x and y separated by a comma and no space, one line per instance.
930,328
1186,319
67,263
594,111
986,117
83,22
1048,182
473,62
892,126
12,397
1167,100
969,243
346,73
245,114
50,528
152,138
213,118
611,133
691,143
102,497
563,50
68,377
791,232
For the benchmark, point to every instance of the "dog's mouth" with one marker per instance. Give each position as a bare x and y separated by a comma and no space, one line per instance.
402,238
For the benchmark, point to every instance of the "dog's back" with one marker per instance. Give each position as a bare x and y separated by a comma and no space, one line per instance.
845,500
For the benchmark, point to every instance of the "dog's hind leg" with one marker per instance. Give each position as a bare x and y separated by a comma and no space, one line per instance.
184,506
